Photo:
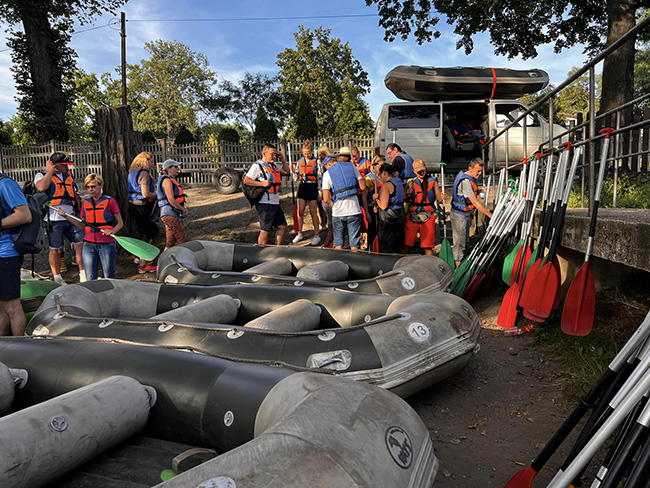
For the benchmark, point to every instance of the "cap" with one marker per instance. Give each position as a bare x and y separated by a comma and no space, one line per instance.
169,163
344,151
60,158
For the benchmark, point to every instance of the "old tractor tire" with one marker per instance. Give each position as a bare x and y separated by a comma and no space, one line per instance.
226,180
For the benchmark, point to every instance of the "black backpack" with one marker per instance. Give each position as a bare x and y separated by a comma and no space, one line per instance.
30,239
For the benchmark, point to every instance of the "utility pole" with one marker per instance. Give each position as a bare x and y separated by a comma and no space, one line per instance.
123,35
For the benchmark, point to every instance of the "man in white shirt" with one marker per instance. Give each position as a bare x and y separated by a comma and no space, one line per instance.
341,185
61,188
268,173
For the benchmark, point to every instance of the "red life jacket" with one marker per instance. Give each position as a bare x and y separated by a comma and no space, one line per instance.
421,202
274,177
97,213
308,170
62,189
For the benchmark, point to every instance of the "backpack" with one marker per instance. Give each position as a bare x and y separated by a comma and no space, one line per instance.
30,239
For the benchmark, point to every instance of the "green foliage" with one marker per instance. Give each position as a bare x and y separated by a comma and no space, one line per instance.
184,136
642,74
633,191
354,117
239,102
305,119
265,128
20,131
5,135
148,136
228,134
326,68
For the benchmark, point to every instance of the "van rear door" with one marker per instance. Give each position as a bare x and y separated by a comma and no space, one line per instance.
417,129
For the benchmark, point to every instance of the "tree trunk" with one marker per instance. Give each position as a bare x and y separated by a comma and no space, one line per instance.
119,146
49,101
618,67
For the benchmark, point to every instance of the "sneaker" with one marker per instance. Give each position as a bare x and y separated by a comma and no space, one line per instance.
147,268
136,261
64,265
315,241
82,277
298,238
60,280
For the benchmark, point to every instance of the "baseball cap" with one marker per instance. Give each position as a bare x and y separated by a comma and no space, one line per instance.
60,158
169,163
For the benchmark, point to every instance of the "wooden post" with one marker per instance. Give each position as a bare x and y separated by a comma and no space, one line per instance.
118,147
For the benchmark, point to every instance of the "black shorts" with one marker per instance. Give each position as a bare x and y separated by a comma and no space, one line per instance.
10,278
308,191
270,216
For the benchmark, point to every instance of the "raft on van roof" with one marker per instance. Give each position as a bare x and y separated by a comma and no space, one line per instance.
422,83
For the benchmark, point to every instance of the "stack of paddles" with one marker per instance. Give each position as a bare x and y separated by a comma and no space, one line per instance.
619,410
534,274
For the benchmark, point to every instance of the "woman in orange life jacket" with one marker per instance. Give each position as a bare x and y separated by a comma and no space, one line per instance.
391,210
306,173
171,200
421,194
103,212
373,185
142,202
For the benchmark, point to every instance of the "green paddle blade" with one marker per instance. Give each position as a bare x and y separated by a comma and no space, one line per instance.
138,248
509,262
446,254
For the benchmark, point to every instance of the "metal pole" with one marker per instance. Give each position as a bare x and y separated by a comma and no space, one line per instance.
123,36
525,141
550,122
592,133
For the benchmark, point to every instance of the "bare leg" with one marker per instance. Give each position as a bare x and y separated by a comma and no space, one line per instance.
301,213
78,251
263,238
279,235
55,261
313,210
428,251
13,311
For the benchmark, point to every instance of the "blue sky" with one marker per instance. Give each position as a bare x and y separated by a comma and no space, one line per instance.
236,46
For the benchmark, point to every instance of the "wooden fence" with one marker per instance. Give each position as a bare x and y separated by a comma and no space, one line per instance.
199,159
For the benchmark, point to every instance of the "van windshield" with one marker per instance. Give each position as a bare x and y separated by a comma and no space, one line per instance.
414,117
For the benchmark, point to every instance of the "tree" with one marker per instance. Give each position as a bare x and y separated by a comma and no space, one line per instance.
265,129
642,74
326,68
240,102
5,135
166,91
89,95
184,136
41,55
354,117
305,119
228,134
519,28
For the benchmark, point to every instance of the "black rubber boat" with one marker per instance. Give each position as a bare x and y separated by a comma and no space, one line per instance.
403,344
216,263
272,426
422,83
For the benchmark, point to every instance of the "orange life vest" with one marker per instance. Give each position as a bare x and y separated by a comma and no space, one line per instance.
308,170
274,177
62,189
421,201
97,213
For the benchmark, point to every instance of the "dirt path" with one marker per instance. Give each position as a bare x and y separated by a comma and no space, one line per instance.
498,412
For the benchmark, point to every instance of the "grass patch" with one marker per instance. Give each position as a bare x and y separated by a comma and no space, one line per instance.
633,191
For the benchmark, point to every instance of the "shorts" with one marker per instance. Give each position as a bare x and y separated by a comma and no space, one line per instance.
426,229
308,191
57,229
10,278
270,216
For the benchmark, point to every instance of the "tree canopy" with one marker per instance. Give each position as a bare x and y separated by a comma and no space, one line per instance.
265,128
305,119
354,116
519,28
327,69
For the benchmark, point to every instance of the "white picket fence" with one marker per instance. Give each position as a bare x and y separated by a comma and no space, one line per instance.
199,159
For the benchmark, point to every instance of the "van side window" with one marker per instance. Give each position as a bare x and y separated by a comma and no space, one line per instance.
506,113
414,117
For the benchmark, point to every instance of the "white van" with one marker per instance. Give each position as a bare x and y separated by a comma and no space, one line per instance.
454,131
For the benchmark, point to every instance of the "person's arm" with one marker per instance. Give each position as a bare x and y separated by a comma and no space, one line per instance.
251,182
286,169
144,187
327,197
439,195
364,198
479,206
21,216
169,193
44,183
117,227
362,183
74,222
385,195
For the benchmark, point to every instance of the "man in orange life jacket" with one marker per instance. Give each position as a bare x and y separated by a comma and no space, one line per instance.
268,173
464,200
61,188
422,193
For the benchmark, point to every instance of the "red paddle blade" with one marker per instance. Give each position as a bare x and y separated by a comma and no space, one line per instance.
558,292
533,318
515,265
522,275
522,479
542,296
296,227
488,283
473,287
580,304
530,277
508,312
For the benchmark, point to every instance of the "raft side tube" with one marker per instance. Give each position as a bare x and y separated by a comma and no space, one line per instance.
322,432
45,441
334,270
297,316
277,266
219,309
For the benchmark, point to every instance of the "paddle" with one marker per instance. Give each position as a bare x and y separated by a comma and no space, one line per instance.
525,477
509,260
446,253
507,317
580,303
138,248
296,225
547,281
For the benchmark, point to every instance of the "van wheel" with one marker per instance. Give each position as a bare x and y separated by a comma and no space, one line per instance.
226,180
